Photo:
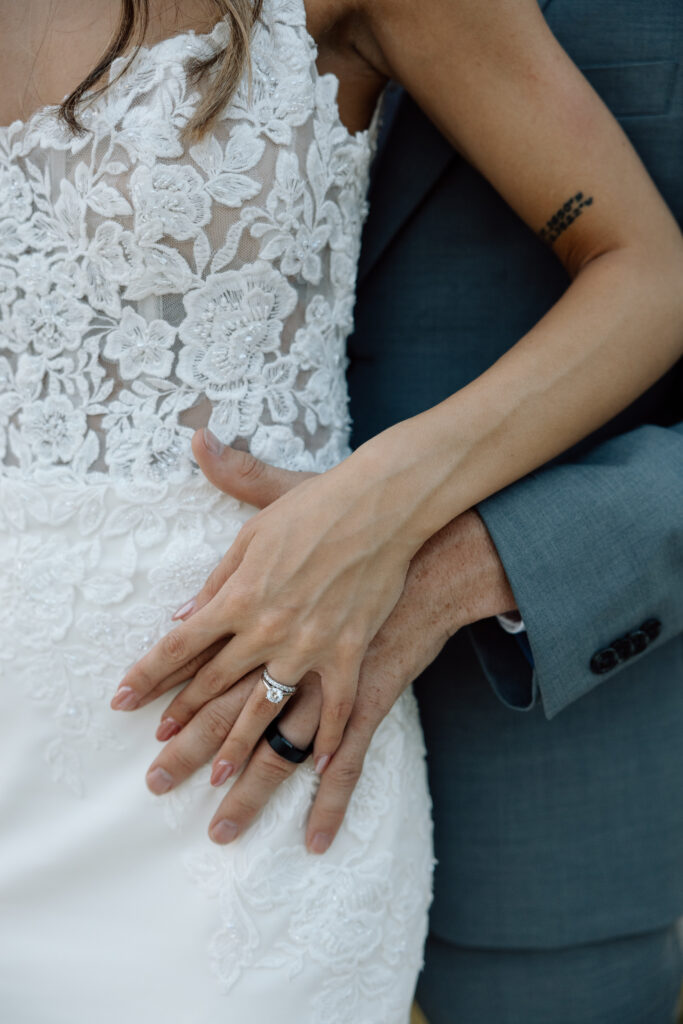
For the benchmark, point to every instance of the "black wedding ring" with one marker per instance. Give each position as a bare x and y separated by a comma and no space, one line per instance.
283,747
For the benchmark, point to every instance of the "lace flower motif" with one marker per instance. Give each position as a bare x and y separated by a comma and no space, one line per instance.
140,346
146,289
53,428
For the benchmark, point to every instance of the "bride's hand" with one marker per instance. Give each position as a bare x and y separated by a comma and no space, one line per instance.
455,578
305,587
409,640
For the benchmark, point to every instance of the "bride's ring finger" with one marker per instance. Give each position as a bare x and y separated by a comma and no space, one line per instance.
275,691
265,703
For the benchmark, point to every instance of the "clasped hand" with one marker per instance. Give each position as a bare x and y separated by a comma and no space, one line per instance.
304,589
325,601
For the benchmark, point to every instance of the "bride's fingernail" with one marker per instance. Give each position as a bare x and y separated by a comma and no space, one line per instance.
124,699
320,842
159,781
215,446
322,763
222,770
224,831
184,608
168,727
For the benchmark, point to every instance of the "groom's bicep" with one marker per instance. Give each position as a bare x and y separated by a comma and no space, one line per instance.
502,90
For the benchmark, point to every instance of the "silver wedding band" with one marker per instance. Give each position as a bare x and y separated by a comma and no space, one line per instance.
275,691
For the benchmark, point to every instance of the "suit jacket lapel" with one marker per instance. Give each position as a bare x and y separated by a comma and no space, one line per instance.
411,155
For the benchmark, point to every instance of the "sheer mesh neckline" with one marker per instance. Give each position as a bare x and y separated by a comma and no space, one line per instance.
160,49
166,47
148,287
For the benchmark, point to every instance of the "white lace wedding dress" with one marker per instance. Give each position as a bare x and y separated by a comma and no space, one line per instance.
146,290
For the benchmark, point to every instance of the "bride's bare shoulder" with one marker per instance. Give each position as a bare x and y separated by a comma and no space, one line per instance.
403,40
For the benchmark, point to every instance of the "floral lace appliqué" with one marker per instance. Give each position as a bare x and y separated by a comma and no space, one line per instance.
147,290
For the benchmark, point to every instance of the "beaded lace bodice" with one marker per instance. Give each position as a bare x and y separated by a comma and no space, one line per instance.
147,289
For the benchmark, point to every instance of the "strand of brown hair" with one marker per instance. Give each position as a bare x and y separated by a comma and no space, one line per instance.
232,60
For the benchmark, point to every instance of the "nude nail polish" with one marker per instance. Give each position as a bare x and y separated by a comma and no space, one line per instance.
222,771
168,727
124,699
184,609
322,763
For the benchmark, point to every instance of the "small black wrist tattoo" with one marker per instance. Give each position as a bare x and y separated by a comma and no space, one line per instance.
565,216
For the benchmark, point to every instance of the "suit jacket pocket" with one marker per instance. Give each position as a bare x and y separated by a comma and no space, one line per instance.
639,89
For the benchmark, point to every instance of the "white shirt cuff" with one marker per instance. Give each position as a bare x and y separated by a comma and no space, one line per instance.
512,622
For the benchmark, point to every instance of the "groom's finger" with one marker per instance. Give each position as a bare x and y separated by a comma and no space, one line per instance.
241,474
191,748
337,785
266,769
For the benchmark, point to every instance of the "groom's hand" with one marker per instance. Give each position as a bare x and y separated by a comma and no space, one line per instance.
455,578
241,474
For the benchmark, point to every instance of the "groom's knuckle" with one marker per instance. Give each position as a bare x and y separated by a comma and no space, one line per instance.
372,705
243,806
190,715
366,719
210,680
339,710
214,721
370,709
182,762
273,769
249,468
344,774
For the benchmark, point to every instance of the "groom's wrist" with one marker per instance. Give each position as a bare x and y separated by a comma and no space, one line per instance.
462,570
490,592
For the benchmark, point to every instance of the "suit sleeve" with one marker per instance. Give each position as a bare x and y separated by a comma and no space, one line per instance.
593,550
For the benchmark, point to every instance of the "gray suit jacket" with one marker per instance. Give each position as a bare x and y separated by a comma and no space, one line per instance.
558,791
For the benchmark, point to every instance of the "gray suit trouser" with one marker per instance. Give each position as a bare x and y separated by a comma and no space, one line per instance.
635,980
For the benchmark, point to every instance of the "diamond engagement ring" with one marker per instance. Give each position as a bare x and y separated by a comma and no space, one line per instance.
275,691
